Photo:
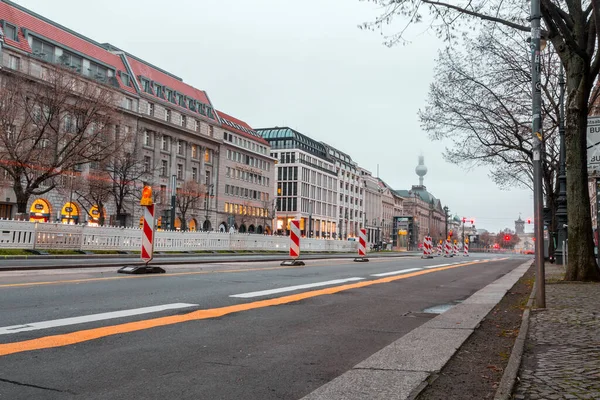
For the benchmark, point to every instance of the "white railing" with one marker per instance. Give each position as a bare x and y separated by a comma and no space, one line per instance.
50,236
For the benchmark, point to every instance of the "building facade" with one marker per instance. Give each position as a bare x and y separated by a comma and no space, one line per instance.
246,179
169,130
372,205
306,183
350,210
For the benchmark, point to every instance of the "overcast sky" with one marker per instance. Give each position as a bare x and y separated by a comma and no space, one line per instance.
306,65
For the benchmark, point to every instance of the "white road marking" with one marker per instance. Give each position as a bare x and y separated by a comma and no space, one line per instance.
402,271
292,288
6,330
437,266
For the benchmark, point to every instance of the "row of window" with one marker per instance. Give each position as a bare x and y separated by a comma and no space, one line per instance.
352,188
57,55
316,208
246,193
248,160
353,200
248,144
287,173
348,214
318,178
285,204
287,188
180,171
246,176
165,145
287,157
172,96
233,208
183,121
317,193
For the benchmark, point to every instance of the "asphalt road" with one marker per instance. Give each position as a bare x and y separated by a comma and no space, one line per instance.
10,263
199,342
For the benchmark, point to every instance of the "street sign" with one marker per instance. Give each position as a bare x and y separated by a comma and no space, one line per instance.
593,145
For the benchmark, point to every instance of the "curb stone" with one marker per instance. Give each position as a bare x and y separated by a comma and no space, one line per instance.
509,377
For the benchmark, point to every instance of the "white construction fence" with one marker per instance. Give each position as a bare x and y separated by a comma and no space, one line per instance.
49,236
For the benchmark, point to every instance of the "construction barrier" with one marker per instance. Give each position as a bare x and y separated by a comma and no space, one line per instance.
148,234
439,249
447,248
466,248
362,245
427,247
294,244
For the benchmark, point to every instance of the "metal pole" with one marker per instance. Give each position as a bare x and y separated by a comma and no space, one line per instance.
70,199
310,210
561,201
536,107
173,194
598,216
446,209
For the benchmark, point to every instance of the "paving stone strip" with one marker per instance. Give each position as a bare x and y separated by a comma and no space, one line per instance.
562,355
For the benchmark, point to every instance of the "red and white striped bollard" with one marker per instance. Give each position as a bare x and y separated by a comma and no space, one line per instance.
362,245
294,244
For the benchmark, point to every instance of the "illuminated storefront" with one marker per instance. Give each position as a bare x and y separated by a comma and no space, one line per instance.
40,211
94,216
69,214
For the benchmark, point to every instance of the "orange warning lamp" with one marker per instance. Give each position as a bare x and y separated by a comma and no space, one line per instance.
146,196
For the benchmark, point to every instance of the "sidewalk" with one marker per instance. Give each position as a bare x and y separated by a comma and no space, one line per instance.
562,350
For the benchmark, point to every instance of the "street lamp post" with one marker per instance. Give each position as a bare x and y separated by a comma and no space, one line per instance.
70,209
536,129
446,209
173,198
310,211
561,209
206,207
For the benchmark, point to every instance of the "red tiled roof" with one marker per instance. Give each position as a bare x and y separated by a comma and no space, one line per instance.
254,136
24,20
22,44
140,68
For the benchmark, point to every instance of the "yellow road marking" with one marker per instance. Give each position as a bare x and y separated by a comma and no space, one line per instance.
97,333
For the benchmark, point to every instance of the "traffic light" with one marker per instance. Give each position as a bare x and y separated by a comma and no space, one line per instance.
529,220
507,238
472,222
464,220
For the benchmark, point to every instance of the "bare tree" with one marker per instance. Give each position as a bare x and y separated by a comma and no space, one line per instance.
95,190
573,28
188,199
481,104
52,126
126,172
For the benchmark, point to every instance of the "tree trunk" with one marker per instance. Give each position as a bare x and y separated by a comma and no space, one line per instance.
183,222
100,205
582,264
22,200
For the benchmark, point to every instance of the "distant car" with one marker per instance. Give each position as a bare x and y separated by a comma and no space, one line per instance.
528,252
